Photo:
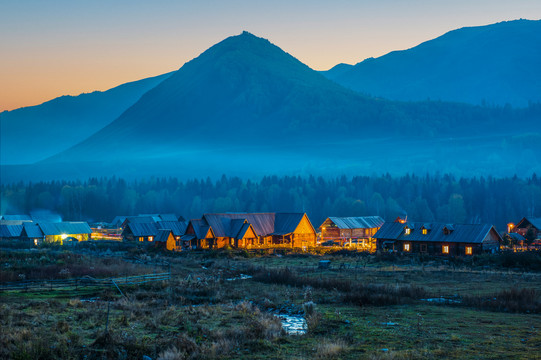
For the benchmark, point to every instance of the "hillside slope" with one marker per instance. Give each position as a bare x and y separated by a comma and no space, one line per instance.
33,133
496,64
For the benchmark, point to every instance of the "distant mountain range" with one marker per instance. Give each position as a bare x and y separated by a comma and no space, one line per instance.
495,64
34,133
246,107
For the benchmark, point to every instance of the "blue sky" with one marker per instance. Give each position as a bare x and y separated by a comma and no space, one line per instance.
60,47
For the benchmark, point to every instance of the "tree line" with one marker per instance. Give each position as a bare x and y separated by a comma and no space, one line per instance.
427,198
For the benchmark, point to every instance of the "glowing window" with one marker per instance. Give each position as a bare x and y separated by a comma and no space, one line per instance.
407,231
425,231
406,247
469,250
445,249
150,238
140,238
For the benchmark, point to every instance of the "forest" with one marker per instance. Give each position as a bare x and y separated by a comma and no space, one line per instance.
427,198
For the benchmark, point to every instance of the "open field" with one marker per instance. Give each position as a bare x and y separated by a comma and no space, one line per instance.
362,307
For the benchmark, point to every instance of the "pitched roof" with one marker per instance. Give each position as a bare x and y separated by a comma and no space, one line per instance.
286,223
10,231
464,233
200,227
264,224
536,222
142,229
32,230
516,236
118,220
16,217
66,227
163,235
359,222
178,228
168,217
141,219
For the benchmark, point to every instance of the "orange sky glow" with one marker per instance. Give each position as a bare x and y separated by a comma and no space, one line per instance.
62,47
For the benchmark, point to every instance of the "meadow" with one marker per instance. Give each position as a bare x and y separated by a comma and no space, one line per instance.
225,305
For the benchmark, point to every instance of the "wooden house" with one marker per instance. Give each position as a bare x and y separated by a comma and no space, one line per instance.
352,230
198,235
165,239
526,224
438,238
32,232
252,230
65,231
140,231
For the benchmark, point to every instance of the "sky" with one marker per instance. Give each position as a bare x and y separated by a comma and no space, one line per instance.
65,47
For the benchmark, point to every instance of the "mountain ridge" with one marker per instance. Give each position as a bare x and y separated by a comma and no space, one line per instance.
492,64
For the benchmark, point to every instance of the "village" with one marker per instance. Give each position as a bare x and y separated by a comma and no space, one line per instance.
280,231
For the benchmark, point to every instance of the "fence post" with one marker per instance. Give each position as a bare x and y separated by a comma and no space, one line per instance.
107,321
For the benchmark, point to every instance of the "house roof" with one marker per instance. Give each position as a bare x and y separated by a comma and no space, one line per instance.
464,233
200,227
32,230
16,217
119,220
286,223
66,227
178,228
168,217
359,222
264,224
536,222
163,235
10,231
142,229
516,236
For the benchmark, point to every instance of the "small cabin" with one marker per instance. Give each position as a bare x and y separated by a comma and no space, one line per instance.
438,238
349,230
526,224
140,232
60,232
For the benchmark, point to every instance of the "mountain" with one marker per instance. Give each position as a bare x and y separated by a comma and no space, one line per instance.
246,107
34,133
496,64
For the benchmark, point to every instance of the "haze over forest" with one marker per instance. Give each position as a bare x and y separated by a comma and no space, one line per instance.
247,108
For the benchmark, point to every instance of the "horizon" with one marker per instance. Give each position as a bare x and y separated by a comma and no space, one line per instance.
60,48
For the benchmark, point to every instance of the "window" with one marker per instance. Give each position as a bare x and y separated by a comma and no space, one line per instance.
150,238
423,247
407,231
141,238
425,231
469,250
445,249
407,247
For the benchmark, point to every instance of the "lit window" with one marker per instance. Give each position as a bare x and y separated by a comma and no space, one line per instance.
406,247
425,231
469,250
445,249
407,231
141,238
150,238
35,241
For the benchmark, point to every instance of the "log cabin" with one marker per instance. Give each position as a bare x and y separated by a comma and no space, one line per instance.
140,232
165,239
438,238
32,233
252,230
352,230
527,223
198,235
65,231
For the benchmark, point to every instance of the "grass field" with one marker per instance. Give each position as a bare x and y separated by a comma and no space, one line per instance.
362,307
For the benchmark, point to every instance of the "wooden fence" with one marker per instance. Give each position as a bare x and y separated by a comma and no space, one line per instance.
83,282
